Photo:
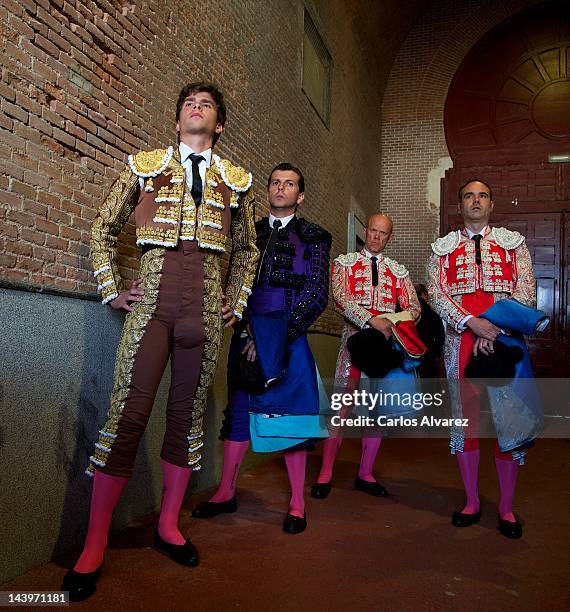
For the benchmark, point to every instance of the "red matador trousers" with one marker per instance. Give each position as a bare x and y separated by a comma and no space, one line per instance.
476,303
179,318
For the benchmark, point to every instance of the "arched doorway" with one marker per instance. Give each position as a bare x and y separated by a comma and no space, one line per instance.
507,121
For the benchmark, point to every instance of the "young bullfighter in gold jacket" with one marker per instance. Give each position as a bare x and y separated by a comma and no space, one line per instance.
187,202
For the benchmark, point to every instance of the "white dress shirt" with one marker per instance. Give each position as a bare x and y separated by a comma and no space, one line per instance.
186,162
371,255
284,220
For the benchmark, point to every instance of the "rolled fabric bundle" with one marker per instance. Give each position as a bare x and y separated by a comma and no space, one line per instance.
516,405
372,354
512,315
270,336
496,368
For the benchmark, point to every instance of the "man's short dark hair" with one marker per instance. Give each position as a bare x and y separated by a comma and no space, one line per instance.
217,96
287,166
474,180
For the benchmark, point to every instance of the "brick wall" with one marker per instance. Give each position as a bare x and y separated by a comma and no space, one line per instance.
413,139
83,84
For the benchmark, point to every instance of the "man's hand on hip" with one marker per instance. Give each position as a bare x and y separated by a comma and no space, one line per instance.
483,328
124,300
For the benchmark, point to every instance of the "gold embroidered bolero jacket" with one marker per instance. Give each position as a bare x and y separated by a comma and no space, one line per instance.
153,185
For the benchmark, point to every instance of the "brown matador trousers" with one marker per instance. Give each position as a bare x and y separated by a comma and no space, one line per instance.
175,330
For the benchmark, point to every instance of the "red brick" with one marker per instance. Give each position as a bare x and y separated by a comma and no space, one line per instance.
70,233
51,22
41,125
45,44
56,243
7,261
73,129
71,207
38,180
22,248
52,170
44,254
63,137
17,54
16,274
15,111
49,227
29,264
7,92
32,235
9,233
11,169
24,189
21,218
36,208
81,224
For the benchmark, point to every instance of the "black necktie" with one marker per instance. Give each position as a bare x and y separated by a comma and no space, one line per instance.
196,179
270,246
374,261
477,239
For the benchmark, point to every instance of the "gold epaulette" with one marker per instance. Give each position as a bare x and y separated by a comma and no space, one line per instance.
347,259
507,238
398,270
235,177
447,244
150,163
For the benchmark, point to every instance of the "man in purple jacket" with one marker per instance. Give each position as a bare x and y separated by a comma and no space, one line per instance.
290,290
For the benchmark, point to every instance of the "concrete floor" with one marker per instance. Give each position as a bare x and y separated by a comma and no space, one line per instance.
358,552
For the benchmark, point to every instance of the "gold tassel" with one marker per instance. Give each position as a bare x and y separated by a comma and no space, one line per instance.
149,185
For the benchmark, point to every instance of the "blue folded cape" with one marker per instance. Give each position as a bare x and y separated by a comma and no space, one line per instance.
516,407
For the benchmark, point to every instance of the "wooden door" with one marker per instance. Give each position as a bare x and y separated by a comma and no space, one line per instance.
544,234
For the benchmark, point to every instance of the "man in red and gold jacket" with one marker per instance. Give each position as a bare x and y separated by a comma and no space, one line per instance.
365,286
469,271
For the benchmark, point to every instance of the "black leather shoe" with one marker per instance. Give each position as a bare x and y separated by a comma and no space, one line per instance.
294,524
321,490
184,554
207,509
372,488
465,520
509,529
80,585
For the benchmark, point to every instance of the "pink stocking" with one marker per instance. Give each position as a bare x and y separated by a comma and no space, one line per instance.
331,447
105,496
234,452
175,481
296,462
469,466
370,448
507,471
